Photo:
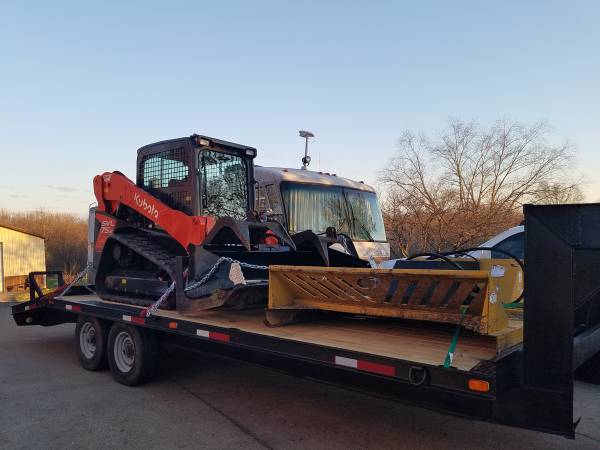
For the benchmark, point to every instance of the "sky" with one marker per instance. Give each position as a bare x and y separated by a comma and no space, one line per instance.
84,84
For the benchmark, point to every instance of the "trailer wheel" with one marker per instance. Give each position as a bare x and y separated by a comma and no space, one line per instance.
90,337
132,354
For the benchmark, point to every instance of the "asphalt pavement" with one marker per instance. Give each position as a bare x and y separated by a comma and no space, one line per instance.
203,401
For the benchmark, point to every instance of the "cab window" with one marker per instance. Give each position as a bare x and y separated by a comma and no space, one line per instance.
224,185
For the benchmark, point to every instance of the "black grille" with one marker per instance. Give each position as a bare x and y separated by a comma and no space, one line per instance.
165,169
165,175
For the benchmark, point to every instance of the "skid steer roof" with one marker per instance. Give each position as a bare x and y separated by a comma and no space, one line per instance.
193,139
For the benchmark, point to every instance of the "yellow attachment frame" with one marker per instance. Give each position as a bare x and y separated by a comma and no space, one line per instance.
429,295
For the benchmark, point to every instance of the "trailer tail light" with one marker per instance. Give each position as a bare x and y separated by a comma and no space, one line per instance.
173,325
479,385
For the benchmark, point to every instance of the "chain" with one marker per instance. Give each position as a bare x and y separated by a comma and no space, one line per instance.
152,310
213,269
62,290
81,274
251,266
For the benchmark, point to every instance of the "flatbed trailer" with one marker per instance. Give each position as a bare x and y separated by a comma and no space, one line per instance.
492,378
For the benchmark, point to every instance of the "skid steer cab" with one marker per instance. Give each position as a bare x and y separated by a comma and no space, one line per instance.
199,176
182,185
193,198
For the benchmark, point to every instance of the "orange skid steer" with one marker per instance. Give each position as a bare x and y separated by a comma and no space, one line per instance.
193,199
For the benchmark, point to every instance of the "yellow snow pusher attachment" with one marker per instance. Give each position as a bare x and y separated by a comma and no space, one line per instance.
472,298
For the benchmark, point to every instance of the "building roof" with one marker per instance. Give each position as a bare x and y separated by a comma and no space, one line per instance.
21,230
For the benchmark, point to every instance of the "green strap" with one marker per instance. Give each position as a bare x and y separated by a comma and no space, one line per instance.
452,348
514,305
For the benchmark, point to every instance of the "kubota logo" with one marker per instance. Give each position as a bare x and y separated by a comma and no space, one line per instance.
143,204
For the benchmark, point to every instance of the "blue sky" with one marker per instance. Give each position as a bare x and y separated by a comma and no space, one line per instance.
84,84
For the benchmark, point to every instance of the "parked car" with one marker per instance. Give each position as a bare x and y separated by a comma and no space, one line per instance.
511,241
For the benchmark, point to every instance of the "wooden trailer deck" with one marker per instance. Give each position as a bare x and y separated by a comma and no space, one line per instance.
413,341
420,342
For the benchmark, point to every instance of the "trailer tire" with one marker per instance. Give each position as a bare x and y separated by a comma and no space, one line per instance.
132,354
91,340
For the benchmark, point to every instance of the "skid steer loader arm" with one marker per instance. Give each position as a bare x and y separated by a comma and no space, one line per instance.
113,189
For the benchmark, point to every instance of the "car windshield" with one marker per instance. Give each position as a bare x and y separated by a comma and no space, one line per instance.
316,207
515,245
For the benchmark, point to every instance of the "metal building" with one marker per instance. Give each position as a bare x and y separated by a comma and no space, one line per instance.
21,252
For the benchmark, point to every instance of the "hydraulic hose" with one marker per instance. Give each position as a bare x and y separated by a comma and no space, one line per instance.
458,252
436,256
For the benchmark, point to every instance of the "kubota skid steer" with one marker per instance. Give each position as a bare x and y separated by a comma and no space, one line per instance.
193,199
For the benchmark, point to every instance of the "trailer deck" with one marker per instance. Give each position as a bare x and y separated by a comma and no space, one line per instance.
415,341
377,347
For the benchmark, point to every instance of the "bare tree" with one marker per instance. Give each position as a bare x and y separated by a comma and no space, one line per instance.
470,183
558,193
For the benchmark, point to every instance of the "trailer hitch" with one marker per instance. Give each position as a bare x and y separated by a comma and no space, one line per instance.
417,375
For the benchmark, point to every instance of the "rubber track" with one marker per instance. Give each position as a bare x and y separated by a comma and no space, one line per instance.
148,249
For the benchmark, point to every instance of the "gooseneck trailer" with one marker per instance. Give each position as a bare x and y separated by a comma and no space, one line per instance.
498,377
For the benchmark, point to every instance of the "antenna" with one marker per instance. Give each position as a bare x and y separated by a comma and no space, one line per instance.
306,135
